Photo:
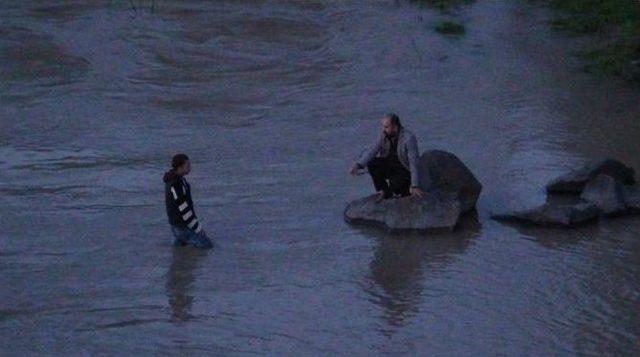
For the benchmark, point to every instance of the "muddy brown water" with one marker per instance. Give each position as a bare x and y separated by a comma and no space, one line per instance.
273,100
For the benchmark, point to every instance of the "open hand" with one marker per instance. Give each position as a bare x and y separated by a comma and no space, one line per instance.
354,169
417,192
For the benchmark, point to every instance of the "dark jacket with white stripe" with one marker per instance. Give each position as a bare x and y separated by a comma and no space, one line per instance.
180,210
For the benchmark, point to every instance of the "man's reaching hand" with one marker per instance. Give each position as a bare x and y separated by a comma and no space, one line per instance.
354,169
417,192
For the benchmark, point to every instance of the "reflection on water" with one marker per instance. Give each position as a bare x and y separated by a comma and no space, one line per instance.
404,263
180,281
612,289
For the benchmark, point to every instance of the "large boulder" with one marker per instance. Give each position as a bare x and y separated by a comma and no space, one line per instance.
606,193
451,190
574,181
430,213
441,171
551,214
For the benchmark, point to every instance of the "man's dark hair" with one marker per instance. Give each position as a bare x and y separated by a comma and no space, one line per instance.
395,120
179,160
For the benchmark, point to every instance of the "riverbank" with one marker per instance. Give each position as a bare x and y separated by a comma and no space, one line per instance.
446,7
616,22
443,5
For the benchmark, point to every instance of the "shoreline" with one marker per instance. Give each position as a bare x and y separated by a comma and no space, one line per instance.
615,27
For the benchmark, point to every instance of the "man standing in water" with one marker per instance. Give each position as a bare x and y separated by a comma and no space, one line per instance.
392,161
182,217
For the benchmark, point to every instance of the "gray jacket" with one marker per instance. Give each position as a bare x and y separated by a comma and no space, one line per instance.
407,153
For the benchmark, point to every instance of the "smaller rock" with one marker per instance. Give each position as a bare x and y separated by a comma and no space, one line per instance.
550,214
575,181
606,193
632,198
631,71
433,212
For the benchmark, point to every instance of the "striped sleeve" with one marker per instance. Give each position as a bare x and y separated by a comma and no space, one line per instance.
186,212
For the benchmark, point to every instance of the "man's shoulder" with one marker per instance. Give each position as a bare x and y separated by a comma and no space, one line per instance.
408,134
171,182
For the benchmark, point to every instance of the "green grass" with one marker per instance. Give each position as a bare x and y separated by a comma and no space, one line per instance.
450,28
589,16
618,18
443,5
447,7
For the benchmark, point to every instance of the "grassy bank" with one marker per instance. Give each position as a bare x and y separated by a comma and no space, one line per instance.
447,7
450,28
443,5
619,23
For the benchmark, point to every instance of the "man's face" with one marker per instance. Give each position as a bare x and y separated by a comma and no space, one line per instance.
388,127
185,169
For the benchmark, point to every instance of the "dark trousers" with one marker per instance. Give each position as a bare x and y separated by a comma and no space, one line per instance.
398,177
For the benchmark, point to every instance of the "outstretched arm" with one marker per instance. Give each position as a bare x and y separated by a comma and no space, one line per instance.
368,155
187,213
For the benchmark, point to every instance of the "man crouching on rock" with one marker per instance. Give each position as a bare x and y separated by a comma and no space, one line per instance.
392,161
180,211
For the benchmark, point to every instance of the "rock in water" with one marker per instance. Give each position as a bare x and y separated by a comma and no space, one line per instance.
433,212
603,188
632,198
451,190
551,214
441,171
606,193
575,181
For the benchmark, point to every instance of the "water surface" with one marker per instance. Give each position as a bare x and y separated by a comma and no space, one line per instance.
273,100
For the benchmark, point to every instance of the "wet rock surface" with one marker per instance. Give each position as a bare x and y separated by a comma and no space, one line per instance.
601,189
429,213
550,214
606,193
442,171
631,196
575,181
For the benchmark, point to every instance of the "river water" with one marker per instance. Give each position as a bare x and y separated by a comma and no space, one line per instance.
273,100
